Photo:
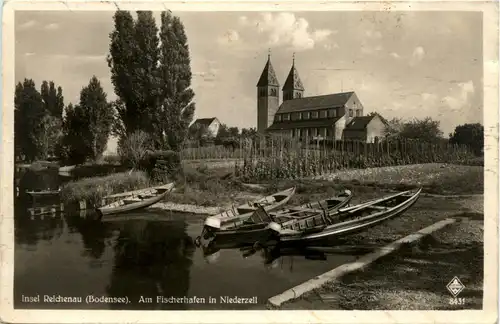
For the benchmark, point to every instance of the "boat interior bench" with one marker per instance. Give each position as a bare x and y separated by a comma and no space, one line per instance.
146,196
312,210
131,200
378,207
242,211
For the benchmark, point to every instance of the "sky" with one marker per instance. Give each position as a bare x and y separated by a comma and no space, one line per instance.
400,64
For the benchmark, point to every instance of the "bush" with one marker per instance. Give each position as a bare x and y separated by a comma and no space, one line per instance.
92,190
161,165
112,159
134,149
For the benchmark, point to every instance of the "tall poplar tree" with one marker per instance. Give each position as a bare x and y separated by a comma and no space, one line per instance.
146,74
175,70
53,99
152,77
122,60
133,61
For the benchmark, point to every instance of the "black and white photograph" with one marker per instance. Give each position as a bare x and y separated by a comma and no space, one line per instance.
196,157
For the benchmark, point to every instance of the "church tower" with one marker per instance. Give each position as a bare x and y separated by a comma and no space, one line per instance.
267,97
293,87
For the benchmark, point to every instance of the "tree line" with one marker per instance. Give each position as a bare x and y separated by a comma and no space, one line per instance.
424,130
428,130
151,76
199,135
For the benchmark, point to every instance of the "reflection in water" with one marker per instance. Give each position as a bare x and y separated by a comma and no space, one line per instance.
151,259
272,255
30,229
94,234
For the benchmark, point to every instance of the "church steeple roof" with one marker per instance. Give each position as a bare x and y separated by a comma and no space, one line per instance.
293,81
268,76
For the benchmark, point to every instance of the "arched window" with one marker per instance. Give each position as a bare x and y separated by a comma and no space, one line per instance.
273,92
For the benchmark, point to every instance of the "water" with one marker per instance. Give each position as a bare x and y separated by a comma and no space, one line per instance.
148,256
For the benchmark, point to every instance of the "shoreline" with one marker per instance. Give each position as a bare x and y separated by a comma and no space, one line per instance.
419,271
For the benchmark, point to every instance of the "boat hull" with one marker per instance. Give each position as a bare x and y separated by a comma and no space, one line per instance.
350,227
106,211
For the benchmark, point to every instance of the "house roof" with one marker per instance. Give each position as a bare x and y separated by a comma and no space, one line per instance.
323,122
293,81
359,123
316,102
268,76
204,121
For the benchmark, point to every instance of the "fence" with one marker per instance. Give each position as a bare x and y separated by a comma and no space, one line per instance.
278,158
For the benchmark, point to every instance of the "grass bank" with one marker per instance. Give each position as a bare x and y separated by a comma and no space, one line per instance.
204,184
94,189
435,178
207,187
415,277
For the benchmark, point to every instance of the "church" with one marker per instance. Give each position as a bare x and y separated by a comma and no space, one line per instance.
333,116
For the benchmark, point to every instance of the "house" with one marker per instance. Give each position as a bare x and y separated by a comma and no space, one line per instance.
211,124
366,128
324,117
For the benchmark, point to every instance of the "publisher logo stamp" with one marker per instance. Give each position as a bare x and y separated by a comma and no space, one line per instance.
455,286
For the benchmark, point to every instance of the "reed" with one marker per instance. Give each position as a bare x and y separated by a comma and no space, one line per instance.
92,190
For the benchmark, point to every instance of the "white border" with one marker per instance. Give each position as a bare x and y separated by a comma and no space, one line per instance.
490,77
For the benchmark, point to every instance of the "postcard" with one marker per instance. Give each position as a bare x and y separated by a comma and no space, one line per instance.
249,162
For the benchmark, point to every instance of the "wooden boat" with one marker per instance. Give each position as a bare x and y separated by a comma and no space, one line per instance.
43,193
345,221
237,215
126,194
258,227
329,204
141,200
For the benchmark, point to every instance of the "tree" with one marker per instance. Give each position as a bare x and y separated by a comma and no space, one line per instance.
134,148
146,85
393,128
248,132
426,130
98,116
200,133
233,131
223,132
471,135
53,99
29,112
49,135
123,62
72,148
151,76
87,126
175,74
